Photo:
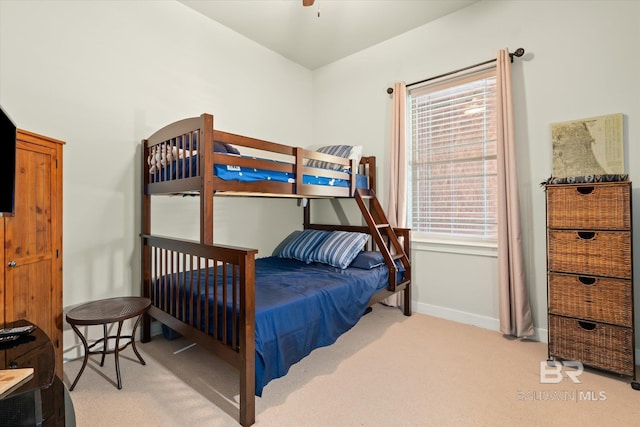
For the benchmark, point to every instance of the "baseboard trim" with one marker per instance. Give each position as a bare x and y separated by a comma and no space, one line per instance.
458,316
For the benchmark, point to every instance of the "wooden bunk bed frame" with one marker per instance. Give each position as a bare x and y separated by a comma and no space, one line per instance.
170,257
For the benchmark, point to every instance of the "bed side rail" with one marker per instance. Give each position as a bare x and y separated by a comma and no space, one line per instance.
261,154
303,157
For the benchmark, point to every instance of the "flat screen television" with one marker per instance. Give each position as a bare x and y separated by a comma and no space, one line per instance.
8,135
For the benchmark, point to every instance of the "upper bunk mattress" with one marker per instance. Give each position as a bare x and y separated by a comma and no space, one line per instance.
244,174
182,168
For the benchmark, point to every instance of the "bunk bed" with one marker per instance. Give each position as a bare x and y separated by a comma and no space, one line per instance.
261,315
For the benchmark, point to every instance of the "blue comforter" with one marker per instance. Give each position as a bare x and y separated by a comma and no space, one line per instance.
300,307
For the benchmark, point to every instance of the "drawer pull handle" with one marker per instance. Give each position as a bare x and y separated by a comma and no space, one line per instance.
586,235
587,326
587,280
585,190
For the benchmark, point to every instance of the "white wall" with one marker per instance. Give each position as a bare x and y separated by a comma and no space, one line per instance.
102,75
583,60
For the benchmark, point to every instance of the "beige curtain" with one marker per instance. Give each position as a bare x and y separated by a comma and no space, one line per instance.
515,312
397,208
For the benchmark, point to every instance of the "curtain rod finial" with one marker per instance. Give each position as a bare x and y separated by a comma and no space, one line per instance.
519,52
389,90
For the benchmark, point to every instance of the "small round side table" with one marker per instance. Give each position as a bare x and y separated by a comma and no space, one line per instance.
104,312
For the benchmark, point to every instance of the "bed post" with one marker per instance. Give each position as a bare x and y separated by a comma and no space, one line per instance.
406,309
306,220
145,252
248,341
206,186
370,171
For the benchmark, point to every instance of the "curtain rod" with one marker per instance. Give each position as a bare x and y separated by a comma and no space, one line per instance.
519,52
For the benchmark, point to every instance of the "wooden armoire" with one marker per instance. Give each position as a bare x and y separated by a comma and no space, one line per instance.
31,254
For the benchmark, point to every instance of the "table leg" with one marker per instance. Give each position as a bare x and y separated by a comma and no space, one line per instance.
105,343
133,340
116,351
86,355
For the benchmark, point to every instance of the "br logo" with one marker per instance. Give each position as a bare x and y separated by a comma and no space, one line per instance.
553,372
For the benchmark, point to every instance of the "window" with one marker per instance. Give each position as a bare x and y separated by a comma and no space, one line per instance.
453,165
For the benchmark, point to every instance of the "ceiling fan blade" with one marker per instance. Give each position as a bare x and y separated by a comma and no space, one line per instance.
307,2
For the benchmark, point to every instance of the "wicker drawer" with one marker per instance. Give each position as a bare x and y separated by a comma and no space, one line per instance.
597,206
596,253
591,298
594,344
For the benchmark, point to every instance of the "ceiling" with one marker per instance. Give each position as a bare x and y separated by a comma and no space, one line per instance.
342,28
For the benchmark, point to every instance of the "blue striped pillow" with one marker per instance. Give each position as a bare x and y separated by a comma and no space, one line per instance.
335,150
301,246
339,249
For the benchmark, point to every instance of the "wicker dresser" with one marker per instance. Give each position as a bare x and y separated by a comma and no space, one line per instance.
590,275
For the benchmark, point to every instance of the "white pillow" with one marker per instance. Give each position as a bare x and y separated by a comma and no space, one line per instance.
356,154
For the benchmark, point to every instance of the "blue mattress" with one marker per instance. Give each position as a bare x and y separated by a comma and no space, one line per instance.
181,168
243,174
299,307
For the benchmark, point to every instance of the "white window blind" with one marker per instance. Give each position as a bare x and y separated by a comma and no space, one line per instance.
453,164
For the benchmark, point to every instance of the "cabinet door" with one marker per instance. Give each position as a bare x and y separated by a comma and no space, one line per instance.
29,241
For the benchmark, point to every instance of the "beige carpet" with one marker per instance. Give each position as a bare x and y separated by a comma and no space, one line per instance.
389,370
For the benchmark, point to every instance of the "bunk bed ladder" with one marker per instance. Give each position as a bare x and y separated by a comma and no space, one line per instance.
378,224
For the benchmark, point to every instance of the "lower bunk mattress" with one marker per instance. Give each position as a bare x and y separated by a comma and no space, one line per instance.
299,307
